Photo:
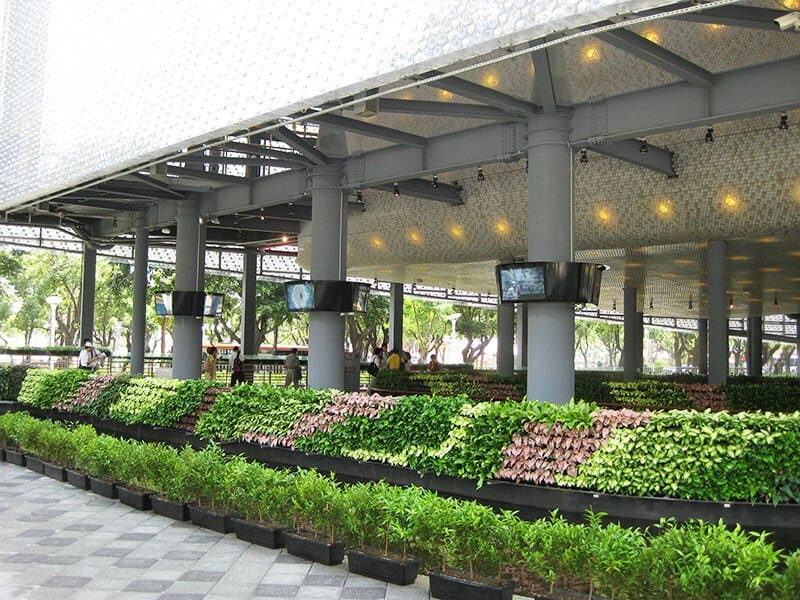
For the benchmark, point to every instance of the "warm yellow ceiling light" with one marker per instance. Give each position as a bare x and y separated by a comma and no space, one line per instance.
502,227
407,95
591,53
445,95
794,253
746,282
739,258
604,215
664,208
791,4
768,239
715,26
456,232
492,80
652,36
770,269
414,236
377,242
731,202
797,192
682,261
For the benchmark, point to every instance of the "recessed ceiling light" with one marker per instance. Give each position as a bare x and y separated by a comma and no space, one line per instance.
414,236
591,53
664,208
502,227
730,202
739,258
682,261
492,80
456,232
715,26
768,239
377,242
652,36
445,95
604,215
791,4
770,269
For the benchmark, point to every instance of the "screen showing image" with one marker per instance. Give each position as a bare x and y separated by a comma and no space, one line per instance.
163,303
360,296
522,283
300,296
213,305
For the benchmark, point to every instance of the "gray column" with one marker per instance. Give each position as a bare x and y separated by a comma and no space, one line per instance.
139,324
328,261
701,347
247,329
639,342
551,348
717,314
521,333
631,331
797,344
755,363
88,279
187,350
396,317
505,339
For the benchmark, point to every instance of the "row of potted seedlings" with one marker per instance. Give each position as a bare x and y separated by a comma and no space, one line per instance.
210,484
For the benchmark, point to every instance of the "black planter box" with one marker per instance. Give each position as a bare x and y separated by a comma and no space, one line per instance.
137,499
2,454
77,479
103,487
397,571
55,472
448,587
169,508
317,551
34,464
260,535
210,520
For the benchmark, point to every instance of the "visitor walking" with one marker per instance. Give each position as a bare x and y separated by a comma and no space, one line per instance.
236,363
210,366
292,368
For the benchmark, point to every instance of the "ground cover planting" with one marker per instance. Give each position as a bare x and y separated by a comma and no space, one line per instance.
700,561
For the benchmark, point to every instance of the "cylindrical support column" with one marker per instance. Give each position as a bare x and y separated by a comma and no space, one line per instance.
717,314
247,330
521,333
187,353
551,347
88,278
701,347
505,339
328,261
631,331
396,317
639,342
139,324
755,361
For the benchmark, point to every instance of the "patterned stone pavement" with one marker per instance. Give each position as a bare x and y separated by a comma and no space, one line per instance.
58,542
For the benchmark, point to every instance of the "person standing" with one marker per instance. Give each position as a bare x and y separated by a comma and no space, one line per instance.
292,368
210,366
433,364
394,360
89,358
236,363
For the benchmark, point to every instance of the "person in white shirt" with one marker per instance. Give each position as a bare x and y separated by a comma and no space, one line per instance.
89,358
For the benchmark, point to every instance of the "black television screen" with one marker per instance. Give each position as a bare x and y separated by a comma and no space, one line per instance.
213,305
189,303
522,283
163,303
299,296
360,296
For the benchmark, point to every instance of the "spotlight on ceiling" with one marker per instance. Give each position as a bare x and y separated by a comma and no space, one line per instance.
691,304
396,189
166,230
584,156
481,176
643,147
783,125
114,223
614,305
359,197
775,303
651,303
285,238
435,181
262,216
291,209
709,135
730,303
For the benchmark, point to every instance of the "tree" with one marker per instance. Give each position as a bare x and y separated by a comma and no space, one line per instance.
113,309
610,335
367,330
737,348
683,344
479,326
425,325
228,326
271,312
584,336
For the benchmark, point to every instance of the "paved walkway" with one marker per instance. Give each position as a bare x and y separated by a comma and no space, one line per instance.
59,542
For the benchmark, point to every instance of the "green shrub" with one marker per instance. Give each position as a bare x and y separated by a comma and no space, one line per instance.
45,388
99,404
779,394
158,402
659,394
11,379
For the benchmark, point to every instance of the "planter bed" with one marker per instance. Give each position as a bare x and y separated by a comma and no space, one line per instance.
318,551
210,520
16,457
260,535
56,472
169,508
393,570
77,479
103,487
2,454
35,464
138,499
451,587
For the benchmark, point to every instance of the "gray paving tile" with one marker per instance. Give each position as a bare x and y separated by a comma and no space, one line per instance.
181,597
202,538
83,527
136,537
202,575
183,555
36,533
135,563
290,559
325,580
148,585
363,593
117,552
56,541
276,591
67,581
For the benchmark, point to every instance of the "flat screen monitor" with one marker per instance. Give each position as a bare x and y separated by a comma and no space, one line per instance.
360,296
299,296
163,303
213,305
522,283
189,303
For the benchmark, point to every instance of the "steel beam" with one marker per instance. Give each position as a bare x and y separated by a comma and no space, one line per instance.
544,80
371,130
443,109
155,184
248,223
656,55
109,203
486,95
249,161
196,174
422,188
302,146
294,213
734,16
259,150
656,159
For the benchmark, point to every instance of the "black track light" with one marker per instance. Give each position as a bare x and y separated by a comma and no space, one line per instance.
359,197
396,189
709,135
651,303
584,156
527,164
435,181
775,303
614,305
291,209
114,223
643,147
784,123
691,304
730,303
481,176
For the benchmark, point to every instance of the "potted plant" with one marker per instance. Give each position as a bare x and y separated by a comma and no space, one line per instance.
263,496
99,459
8,439
204,482
373,518
317,513
169,480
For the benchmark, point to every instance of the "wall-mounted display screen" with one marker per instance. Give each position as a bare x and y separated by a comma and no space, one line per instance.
188,303
578,283
299,296
213,305
360,296
163,303
326,296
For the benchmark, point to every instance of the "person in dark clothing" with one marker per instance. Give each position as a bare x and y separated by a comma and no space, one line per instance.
237,367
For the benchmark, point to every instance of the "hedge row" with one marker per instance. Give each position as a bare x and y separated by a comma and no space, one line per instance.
695,561
683,454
